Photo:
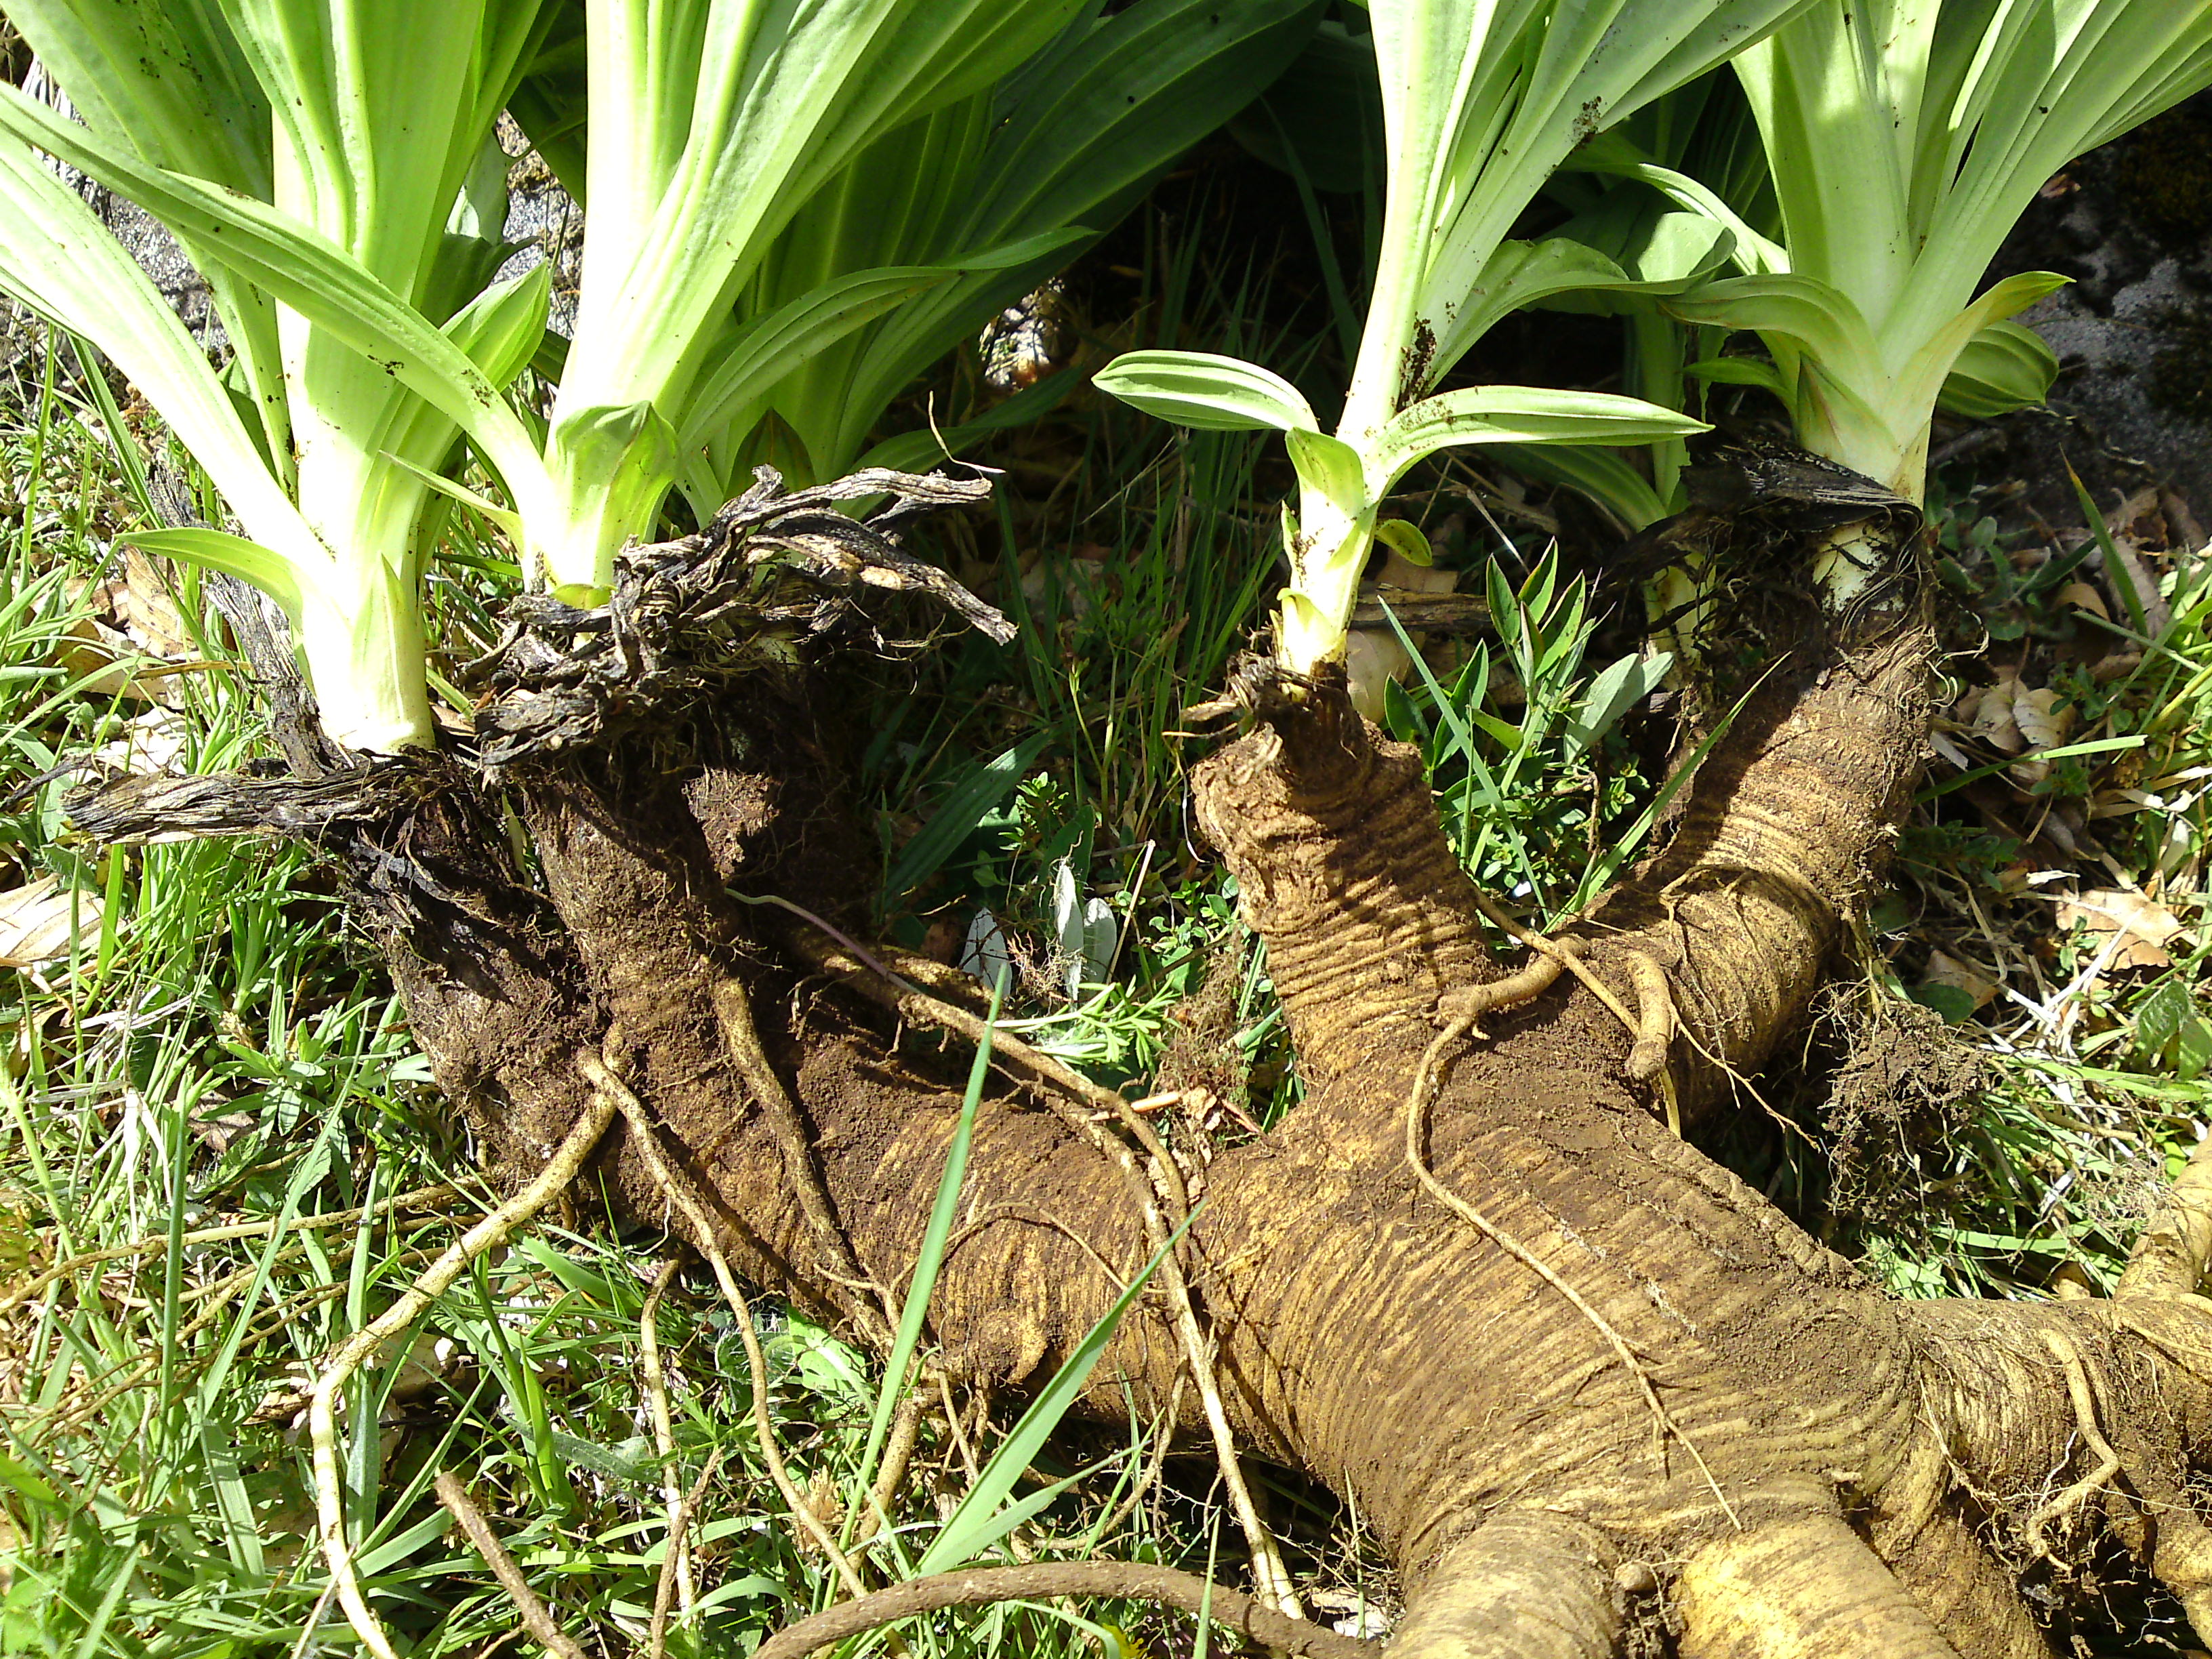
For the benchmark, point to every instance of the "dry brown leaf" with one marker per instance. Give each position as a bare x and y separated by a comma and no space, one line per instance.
2042,719
1946,969
2082,597
146,608
41,921
134,641
151,742
1994,722
2044,724
2141,926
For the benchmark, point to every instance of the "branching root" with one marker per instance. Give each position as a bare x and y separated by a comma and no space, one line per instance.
2073,1498
645,1134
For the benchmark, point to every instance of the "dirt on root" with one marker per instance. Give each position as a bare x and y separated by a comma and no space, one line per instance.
1901,1082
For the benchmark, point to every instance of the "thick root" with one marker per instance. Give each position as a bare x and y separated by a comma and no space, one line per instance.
1804,1588
1525,1585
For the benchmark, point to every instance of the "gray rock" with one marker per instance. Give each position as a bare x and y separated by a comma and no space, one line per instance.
2132,225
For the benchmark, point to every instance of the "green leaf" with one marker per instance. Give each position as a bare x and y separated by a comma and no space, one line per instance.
624,456
1404,536
60,261
1605,477
980,1521
1073,136
309,273
1811,314
234,555
957,817
1740,371
1615,690
1518,414
2004,368
917,451
914,1309
1333,470
763,350
1203,389
1956,1006
770,348
501,328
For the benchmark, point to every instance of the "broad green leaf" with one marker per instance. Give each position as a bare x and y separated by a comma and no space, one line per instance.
1072,137
1932,362
2004,368
234,555
1203,389
1609,153
957,817
1614,691
500,328
310,274
1517,414
1810,313
59,260
626,456
773,347
1331,469
1606,478
1404,537
1740,371
763,350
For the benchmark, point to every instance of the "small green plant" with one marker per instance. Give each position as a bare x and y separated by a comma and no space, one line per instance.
1532,805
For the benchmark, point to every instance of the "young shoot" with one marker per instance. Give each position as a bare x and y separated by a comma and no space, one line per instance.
1480,104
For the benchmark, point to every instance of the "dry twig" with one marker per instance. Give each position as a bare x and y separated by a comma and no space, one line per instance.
1123,1580
537,1617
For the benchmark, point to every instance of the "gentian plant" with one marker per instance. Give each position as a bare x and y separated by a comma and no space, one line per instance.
1480,104
1904,140
764,186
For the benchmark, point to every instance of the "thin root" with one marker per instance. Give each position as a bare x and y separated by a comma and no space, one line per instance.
537,1617
2078,1388
675,1568
1563,952
1121,1580
733,1014
357,1349
1417,1099
1067,1090
664,1592
646,1137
